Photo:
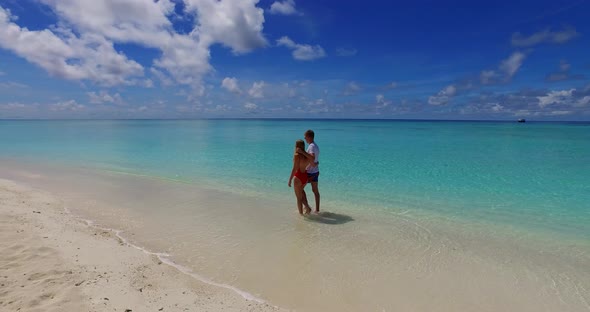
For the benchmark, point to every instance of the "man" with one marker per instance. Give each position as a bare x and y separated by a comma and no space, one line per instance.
313,171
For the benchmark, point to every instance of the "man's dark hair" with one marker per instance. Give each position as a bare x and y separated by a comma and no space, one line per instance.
309,133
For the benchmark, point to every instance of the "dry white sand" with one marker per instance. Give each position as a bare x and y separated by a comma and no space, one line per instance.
51,261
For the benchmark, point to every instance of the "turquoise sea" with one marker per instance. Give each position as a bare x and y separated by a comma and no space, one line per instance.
419,215
533,175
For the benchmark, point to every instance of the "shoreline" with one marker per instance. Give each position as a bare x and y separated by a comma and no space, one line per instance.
166,259
434,259
64,257
541,236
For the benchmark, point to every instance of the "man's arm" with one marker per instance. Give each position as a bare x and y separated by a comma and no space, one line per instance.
310,157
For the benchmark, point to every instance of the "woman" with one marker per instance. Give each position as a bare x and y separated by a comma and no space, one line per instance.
300,173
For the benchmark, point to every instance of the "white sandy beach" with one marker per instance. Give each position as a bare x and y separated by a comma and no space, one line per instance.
51,261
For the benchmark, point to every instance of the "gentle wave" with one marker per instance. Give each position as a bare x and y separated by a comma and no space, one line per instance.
166,259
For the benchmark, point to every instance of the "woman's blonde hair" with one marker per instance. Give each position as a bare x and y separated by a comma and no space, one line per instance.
299,144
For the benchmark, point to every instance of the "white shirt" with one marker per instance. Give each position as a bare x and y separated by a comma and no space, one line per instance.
315,150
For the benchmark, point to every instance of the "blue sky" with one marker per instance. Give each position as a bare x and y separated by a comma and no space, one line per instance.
293,58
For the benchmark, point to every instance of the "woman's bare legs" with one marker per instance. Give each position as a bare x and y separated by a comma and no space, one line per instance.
297,187
299,194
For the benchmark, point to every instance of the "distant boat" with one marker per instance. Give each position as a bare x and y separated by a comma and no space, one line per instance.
521,120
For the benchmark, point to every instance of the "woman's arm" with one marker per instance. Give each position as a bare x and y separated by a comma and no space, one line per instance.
293,170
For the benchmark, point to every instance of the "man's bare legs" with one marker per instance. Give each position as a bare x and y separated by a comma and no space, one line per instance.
305,202
316,193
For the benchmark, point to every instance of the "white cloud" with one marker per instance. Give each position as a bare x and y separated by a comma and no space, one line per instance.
257,90
392,85
381,101
511,65
148,83
302,52
142,22
497,108
487,76
165,80
85,49
443,96
70,105
104,97
290,91
231,85
563,73
136,21
564,66
219,108
250,106
67,55
319,105
286,7
559,113
188,108
12,85
314,105
583,101
351,88
555,97
506,70
237,24
559,76
545,36
11,106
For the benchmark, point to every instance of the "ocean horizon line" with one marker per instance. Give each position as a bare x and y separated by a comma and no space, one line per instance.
297,119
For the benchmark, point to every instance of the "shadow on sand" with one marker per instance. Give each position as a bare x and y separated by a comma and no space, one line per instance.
329,218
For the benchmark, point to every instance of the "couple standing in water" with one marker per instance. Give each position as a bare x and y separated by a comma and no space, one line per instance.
306,170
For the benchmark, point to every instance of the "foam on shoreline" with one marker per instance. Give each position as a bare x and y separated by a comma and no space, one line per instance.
166,259
53,260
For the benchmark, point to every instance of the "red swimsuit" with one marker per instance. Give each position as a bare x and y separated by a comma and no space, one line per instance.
302,176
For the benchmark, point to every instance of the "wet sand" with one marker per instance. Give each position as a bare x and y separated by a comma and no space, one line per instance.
52,261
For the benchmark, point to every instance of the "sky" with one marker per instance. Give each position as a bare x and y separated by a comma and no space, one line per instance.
499,60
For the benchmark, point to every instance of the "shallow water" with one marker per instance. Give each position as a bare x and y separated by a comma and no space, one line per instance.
532,175
420,216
